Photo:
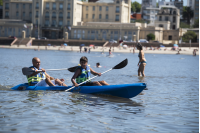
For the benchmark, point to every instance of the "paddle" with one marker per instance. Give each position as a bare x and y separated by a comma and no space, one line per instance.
29,71
118,66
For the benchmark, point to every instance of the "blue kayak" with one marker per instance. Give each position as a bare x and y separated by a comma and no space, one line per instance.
122,90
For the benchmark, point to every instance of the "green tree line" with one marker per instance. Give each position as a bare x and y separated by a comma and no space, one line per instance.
1,2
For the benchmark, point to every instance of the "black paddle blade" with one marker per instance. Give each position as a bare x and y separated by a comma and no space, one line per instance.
27,71
121,65
72,69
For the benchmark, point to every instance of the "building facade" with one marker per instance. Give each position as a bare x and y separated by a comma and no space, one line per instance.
179,5
50,18
196,10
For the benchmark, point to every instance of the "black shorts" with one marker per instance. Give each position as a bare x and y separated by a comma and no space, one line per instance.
88,84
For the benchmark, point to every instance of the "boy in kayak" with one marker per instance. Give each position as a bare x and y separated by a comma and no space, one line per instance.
83,73
42,78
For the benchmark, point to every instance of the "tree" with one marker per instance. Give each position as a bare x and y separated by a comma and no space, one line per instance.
196,23
184,25
135,7
189,35
1,2
157,5
187,13
150,37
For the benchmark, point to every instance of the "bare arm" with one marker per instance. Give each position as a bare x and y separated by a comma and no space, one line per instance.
76,74
94,73
47,76
35,73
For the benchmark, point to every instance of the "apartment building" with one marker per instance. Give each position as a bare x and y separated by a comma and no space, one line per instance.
179,5
50,18
196,9
149,10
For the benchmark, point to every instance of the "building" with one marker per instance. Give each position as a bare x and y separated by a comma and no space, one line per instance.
196,10
136,16
168,18
179,5
190,3
50,18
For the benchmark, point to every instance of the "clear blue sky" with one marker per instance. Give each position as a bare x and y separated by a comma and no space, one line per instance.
140,1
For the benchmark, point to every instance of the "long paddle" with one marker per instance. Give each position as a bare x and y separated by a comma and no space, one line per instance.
118,66
29,71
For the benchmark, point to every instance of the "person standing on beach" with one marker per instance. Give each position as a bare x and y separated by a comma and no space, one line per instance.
194,52
142,61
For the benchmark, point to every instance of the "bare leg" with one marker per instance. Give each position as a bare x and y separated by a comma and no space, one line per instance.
60,83
48,81
142,67
139,70
96,83
103,82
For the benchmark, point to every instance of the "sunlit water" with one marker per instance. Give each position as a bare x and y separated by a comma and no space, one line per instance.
171,103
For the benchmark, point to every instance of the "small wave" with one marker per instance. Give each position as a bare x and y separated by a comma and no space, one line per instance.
7,87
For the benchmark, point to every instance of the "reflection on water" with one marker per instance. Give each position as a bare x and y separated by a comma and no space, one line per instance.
171,103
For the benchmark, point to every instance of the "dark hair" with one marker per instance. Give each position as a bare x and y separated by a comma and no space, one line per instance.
83,58
98,63
139,45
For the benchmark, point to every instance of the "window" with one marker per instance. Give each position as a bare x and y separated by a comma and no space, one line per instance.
117,9
174,19
117,18
54,14
93,16
166,19
160,25
170,38
7,6
99,16
53,22
30,14
30,6
47,5
106,16
118,2
23,14
68,15
100,8
86,15
86,8
36,21
68,6
68,22
37,5
61,6
106,8
46,22
174,12
54,6
17,14
93,8
116,35
60,15
47,15
60,23
17,6
174,27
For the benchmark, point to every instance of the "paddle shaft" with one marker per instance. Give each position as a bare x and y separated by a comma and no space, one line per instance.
53,69
88,80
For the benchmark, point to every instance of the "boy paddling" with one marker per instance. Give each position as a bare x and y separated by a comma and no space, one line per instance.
83,73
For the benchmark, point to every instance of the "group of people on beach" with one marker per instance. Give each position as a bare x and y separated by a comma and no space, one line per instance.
81,74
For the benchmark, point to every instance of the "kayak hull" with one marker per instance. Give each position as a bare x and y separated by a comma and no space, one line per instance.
122,90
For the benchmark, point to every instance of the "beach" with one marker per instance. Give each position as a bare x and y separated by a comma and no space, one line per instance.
184,50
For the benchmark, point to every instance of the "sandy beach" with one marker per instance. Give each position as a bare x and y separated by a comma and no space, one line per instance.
184,50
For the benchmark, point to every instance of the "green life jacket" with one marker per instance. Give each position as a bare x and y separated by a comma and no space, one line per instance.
36,78
85,74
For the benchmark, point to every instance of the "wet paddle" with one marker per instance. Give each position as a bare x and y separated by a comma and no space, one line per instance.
29,71
118,66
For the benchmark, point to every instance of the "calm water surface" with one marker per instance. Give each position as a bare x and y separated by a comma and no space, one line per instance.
171,103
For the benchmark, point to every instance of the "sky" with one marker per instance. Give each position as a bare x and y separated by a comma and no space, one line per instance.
140,1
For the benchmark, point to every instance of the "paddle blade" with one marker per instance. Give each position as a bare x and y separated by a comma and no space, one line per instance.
121,65
27,71
72,69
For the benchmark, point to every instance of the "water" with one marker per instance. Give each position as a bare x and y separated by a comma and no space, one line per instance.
171,103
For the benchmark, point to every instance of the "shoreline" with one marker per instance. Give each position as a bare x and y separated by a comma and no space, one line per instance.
184,50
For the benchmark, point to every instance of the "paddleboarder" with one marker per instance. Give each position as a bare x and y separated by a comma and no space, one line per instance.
83,73
142,61
42,78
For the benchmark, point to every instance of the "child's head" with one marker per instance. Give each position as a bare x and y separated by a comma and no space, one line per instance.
98,64
83,61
